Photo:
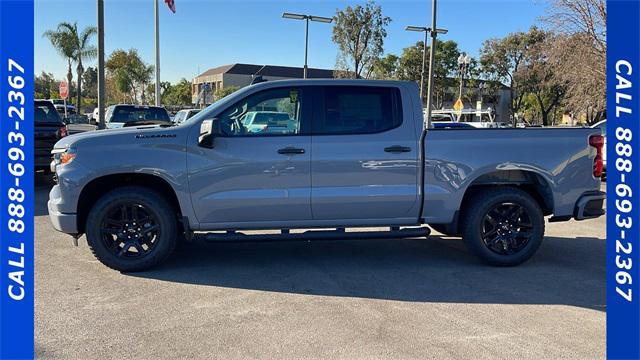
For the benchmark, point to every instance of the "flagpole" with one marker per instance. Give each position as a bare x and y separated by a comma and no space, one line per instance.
157,28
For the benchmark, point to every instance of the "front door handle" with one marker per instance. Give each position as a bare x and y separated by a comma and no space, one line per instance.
290,151
397,149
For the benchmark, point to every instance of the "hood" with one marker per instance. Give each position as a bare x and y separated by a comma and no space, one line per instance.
103,135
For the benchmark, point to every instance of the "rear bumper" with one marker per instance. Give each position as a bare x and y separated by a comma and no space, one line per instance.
590,205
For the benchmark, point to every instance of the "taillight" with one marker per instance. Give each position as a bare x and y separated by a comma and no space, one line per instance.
597,141
62,132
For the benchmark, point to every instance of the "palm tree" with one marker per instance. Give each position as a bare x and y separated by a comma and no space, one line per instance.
77,45
64,44
142,74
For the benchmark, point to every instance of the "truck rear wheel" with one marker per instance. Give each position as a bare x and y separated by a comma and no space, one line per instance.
503,226
131,229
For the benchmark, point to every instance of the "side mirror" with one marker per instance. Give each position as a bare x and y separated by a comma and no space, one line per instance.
209,129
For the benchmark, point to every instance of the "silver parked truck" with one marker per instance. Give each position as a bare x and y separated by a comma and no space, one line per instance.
347,154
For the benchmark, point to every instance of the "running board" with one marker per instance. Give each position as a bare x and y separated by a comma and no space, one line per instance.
339,234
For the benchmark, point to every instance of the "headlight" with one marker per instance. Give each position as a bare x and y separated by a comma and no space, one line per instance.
63,156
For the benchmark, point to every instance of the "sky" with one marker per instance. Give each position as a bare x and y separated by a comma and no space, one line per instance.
206,34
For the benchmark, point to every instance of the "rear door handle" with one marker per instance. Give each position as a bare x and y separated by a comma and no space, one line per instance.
290,151
397,149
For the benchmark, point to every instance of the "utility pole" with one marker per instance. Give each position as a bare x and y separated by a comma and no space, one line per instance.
101,124
293,16
157,27
432,54
426,32
306,48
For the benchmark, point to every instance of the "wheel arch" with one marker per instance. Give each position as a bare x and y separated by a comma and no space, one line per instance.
532,182
100,186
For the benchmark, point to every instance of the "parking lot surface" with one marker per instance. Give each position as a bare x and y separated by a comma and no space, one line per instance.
401,299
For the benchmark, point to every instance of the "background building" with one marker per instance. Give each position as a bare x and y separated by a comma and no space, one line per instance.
239,75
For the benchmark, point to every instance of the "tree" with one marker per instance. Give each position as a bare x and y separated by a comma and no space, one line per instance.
222,92
410,62
501,60
359,33
445,66
142,74
178,94
77,48
90,82
386,68
539,78
130,73
63,42
578,54
45,86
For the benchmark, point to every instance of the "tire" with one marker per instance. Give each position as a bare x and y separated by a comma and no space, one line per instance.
442,228
518,230
149,240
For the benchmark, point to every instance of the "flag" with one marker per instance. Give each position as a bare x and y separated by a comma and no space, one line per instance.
171,4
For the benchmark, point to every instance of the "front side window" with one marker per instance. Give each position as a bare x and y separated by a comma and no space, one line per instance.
359,110
270,112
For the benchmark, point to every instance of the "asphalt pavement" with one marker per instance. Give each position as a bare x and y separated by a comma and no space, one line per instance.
365,299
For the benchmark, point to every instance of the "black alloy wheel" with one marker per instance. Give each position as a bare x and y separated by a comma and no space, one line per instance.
503,226
130,230
506,228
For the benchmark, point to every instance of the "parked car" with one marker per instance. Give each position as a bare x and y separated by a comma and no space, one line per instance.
122,115
184,114
602,125
59,104
95,114
358,156
79,123
272,122
48,129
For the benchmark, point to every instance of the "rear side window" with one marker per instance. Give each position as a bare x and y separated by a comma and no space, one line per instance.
359,110
44,111
126,114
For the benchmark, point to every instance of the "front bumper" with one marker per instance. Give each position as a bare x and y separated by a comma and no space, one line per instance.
590,205
66,223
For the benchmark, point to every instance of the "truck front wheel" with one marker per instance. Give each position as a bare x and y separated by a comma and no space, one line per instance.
503,226
131,229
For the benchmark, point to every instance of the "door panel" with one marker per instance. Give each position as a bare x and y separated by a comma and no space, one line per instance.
353,176
259,169
245,179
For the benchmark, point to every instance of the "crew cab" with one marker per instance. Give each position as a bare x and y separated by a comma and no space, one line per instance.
357,155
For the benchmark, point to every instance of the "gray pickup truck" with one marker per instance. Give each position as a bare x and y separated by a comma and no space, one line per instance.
352,154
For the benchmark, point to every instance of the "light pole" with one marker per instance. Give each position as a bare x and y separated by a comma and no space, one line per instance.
100,30
463,63
426,32
306,18
481,87
157,50
432,53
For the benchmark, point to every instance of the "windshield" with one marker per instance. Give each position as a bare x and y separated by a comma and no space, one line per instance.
125,114
45,112
206,112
